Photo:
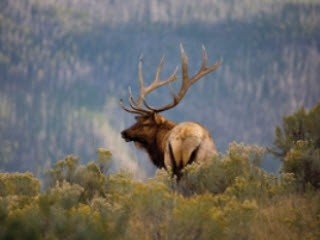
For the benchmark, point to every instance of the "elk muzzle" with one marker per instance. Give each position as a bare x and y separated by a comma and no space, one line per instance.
125,136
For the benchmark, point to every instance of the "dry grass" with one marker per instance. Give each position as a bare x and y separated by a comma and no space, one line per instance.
289,217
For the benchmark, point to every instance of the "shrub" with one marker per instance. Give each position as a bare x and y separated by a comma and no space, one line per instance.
18,184
222,172
297,144
229,197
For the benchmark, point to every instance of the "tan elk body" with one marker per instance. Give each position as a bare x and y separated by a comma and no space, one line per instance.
187,142
169,145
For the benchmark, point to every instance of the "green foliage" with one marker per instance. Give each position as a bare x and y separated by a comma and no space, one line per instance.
303,125
241,161
298,145
229,197
18,184
303,160
90,177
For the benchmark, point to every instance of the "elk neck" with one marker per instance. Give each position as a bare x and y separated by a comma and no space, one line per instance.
157,147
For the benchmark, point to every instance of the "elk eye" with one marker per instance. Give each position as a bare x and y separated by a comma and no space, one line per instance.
138,118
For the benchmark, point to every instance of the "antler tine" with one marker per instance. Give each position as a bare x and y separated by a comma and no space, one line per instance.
133,104
141,81
184,63
153,86
148,106
205,71
136,105
159,83
144,90
204,58
129,110
131,99
186,81
170,79
159,68
184,86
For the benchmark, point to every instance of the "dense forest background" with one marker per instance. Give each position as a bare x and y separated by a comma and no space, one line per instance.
64,65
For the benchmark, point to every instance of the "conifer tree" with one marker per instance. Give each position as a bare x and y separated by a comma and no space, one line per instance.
297,143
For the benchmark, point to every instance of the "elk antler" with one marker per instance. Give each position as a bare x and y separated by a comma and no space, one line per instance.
136,105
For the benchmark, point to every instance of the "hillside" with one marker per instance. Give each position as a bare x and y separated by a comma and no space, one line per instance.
65,64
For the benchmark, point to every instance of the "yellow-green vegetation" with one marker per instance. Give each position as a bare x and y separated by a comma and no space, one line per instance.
297,143
227,198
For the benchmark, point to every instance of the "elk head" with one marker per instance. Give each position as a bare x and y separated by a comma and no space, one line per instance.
156,134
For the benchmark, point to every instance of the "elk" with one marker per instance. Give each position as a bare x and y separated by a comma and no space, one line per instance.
169,145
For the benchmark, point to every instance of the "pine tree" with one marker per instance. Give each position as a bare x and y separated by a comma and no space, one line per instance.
297,143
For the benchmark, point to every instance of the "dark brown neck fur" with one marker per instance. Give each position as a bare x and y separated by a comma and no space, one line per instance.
156,148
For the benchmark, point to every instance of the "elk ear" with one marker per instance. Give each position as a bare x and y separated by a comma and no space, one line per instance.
158,119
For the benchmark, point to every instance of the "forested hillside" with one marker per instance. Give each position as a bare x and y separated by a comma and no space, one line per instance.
65,64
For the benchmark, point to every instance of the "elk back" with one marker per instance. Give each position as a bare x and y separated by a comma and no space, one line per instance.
188,142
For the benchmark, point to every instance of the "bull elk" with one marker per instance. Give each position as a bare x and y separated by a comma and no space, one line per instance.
169,145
